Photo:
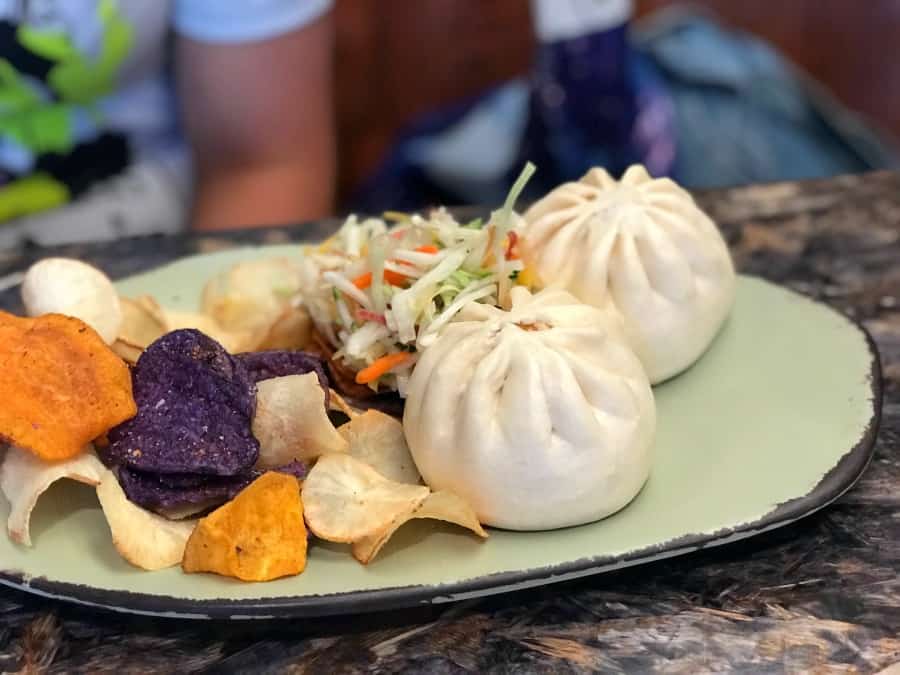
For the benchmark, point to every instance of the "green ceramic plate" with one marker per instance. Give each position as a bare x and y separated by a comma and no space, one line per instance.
777,420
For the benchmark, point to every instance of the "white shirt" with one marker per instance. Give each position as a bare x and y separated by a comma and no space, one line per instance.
75,74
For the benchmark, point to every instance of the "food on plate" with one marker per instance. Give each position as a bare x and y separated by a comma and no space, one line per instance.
252,296
178,496
291,421
258,536
336,403
74,288
380,294
278,363
523,410
126,351
143,322
377,440
444,506
643,246
539,417
205,430
195,406
232,341
24,478
62,386
144,539
291,330
346,500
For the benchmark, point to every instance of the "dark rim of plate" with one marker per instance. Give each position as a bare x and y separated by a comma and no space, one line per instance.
835,483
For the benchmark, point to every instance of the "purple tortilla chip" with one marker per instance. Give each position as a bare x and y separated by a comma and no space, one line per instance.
147,490
166,494
191,480
195,407
271,364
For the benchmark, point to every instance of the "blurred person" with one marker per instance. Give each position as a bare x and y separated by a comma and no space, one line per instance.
127,117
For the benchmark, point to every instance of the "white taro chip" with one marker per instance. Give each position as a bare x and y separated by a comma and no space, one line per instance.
24,477
377,439
234,342
129,353
337,403
291,330
291,422
345,500
144,539
442,505
251,296
143,321
74,288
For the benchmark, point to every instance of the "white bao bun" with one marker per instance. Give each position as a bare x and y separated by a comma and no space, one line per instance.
539,417
643,246
74,288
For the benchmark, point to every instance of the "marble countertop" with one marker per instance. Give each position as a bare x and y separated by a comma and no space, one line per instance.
822,594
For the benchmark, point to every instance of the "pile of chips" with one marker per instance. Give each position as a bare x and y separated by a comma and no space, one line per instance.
191,445
217,448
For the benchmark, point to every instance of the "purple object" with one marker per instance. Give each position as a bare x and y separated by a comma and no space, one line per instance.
271,364
167,493
195,407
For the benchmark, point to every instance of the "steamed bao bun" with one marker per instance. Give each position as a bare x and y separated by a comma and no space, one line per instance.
539,417
643,246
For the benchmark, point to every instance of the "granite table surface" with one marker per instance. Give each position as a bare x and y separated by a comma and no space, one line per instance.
821,595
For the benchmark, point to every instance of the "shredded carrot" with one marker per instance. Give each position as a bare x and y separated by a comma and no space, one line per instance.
395,278
427,248
381,366
363,281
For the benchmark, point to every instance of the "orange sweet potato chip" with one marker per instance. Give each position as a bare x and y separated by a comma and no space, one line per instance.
61,387
258,536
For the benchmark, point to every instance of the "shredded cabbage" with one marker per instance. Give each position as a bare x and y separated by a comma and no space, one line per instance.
409,303
375,289
504,223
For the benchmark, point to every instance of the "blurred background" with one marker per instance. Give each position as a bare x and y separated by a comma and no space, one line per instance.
128,117
444,103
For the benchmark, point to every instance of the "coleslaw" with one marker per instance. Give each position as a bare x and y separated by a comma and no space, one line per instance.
380,289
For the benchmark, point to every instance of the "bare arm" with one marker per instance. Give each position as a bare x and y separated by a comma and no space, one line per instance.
259,119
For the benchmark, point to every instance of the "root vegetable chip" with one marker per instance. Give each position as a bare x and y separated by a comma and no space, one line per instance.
195,404
442,505
252,296
61,386
258,536
291,330
232,341
143,322
268,364
291,421
178,495
194,493
129,353
346,500
144,539
337,403
377,439
24,478
74,288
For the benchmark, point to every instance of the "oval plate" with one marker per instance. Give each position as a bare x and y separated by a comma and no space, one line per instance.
777,420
